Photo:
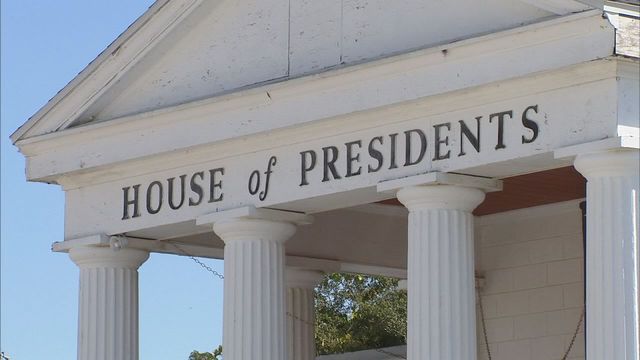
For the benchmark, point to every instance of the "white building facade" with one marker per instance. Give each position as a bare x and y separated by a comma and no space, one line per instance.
446,143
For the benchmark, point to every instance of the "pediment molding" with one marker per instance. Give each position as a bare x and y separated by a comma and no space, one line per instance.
85,96
110,65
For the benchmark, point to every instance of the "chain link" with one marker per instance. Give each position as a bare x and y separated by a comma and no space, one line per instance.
306,322
486,340
196,260
575,334
484,325
221,277
397,356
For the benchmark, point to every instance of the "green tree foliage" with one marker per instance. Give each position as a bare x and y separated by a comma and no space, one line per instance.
357,312
214,355
353,312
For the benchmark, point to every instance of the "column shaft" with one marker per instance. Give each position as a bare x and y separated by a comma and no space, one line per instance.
300,324
441,303
108,303
254,307
612,254
301,313
441,298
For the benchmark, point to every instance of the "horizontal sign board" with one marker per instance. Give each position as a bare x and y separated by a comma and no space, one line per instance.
297,176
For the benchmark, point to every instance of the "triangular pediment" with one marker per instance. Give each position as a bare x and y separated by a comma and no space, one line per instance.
185,50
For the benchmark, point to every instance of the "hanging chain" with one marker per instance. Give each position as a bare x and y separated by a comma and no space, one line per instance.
397,356
575,334
221,277
196,260
484,324
306,322
486,340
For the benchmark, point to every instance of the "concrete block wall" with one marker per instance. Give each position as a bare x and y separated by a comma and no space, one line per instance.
532,261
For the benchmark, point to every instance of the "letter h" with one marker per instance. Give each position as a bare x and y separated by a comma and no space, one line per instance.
127,202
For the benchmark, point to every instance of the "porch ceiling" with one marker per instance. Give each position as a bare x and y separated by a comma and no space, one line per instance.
535,189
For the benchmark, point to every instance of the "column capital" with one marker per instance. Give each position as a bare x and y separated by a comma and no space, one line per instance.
424,197
106,257
620,162
440,178
253,229
252,223
303,278
251,212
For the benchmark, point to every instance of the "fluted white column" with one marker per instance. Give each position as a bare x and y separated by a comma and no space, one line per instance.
301,313
108,304
441,298
612,253
254,306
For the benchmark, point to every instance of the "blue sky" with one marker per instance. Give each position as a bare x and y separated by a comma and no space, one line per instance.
44,45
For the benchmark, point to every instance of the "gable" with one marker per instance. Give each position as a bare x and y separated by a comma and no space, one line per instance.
185,50
223,47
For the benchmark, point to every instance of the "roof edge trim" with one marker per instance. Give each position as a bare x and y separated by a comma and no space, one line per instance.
148,25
